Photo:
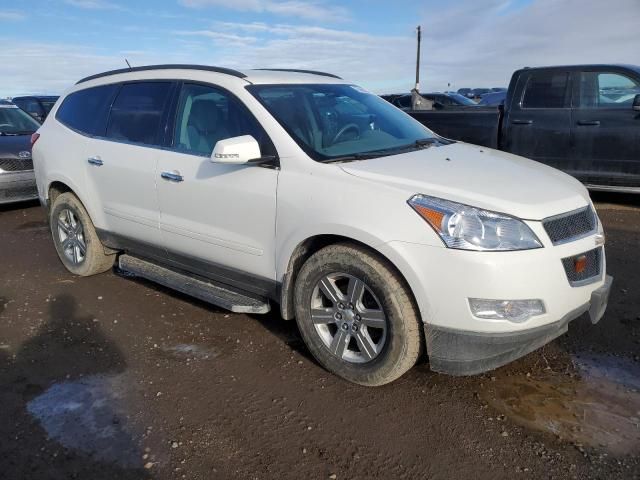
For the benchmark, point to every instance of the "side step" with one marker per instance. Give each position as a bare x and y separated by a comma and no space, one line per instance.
214,293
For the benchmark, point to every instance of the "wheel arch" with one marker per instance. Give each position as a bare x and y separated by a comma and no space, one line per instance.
308,247
59,185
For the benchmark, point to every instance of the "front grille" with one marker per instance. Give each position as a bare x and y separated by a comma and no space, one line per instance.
16,164
571,226
18,193
591,271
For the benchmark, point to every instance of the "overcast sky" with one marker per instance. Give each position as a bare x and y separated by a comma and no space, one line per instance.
47,45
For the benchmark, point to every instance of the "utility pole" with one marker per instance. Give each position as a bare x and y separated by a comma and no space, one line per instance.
418,102
417,87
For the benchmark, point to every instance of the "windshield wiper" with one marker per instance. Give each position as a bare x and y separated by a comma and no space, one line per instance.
354,156
418,144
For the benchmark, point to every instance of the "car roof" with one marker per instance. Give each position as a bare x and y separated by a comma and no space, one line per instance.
255,76
585,66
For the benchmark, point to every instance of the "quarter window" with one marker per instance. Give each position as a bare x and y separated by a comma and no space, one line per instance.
86,110
207,115
137,112
546,90
606,90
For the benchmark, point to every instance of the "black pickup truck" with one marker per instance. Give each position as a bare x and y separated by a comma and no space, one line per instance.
583,119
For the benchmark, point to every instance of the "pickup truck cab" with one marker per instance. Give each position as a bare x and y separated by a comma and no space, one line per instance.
582,119
294,188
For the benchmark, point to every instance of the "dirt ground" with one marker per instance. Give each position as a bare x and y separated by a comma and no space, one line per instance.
112,377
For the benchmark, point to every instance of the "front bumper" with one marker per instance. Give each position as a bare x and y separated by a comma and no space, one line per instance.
457,352
17,187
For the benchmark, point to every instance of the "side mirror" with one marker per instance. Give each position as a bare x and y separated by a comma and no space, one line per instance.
438,106
236,150
636,103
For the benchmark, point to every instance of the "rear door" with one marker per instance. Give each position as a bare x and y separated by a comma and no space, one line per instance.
121,164
605,128
538,123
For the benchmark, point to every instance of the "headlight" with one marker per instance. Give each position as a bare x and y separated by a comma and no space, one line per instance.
469,228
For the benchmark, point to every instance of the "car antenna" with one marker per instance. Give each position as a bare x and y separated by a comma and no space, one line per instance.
128,64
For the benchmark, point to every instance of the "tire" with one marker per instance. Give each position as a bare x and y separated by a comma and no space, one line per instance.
81,251
392,347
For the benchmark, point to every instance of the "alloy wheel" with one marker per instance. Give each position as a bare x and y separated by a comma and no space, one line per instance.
348,318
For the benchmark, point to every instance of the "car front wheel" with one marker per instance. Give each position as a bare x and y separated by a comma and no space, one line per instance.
356,315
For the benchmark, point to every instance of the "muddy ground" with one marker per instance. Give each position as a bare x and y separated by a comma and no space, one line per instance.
114,378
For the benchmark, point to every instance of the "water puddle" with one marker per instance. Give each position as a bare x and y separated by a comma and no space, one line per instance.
190,351
89,415
598,408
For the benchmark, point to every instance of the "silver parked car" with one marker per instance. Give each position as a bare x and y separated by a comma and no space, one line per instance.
17,180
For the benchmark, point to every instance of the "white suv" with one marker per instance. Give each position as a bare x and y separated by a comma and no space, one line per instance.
249,189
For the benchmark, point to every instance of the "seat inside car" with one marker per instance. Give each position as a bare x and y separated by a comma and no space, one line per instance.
206,126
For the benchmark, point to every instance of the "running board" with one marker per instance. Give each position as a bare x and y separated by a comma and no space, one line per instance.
207,291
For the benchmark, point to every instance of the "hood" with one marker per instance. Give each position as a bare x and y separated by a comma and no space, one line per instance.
480,177
11,146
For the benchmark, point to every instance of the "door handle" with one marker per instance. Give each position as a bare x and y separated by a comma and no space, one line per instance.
172,176
97,161
522,122
587,123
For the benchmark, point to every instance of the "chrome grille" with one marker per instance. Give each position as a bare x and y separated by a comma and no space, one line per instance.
591,271
16,164
18,193
571,226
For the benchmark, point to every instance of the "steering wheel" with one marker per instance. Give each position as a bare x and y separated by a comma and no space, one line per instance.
346,128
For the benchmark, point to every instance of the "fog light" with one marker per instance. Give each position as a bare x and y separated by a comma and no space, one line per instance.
517,311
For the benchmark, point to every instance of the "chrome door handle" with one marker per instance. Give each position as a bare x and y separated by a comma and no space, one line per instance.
589,123
172,176
522,122
97,161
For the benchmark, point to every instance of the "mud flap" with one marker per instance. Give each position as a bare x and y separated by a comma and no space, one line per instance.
599,300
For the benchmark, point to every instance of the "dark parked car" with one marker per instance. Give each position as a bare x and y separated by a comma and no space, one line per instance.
493,99
17,180
583,119
38,106
477,93
440,100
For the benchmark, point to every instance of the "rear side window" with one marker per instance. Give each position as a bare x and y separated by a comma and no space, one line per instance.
86,110
137,112
546,90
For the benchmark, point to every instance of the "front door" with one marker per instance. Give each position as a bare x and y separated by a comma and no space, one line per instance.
217,220
606,129
538,125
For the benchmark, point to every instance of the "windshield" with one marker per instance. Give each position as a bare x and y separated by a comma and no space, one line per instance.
330,121
14,121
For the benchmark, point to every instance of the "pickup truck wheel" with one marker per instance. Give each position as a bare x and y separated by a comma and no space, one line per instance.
75,238
356,315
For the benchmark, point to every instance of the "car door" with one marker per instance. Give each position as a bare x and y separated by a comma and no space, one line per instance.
605,128
538,124
121,164
217,220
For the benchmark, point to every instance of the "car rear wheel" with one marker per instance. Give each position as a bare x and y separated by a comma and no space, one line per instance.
356,315
75,238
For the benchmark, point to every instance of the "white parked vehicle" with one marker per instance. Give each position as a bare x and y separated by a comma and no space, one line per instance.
382,239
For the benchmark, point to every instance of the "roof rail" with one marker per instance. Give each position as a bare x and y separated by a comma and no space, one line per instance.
207,68
312,72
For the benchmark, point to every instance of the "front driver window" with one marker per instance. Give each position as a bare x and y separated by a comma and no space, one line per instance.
207,115
607,90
